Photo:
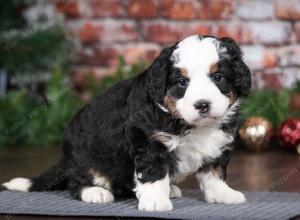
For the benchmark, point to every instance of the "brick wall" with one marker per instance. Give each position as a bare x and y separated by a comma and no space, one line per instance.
268,30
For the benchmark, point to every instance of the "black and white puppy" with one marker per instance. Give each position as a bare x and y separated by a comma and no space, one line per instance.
148,133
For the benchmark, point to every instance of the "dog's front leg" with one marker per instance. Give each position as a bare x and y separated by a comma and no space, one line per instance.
154,196
152,164
216,190
152,182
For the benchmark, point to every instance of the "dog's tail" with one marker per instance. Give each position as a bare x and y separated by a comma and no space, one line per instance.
55,178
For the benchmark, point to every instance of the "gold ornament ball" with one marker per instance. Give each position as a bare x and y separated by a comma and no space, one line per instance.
256,133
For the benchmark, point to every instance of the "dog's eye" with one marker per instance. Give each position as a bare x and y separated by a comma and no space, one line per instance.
217,77
183,82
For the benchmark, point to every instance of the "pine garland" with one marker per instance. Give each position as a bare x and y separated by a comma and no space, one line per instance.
29,47
272,105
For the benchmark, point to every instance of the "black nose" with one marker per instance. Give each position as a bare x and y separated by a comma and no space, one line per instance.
202,106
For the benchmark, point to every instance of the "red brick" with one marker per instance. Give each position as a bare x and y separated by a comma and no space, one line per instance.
215,9
275,78
288,10
89,33
141,52
297,30
104,8
271,79
106,32
122,31
167,33
269,33
201,29
161,33
177,9
270,59
142,9
104,56
67,7
237,32
289,56
271,44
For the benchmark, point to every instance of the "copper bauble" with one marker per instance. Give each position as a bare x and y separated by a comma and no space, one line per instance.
256,133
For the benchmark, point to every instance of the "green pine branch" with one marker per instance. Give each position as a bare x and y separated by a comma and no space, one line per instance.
272,105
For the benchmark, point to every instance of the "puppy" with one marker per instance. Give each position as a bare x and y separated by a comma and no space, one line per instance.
147,133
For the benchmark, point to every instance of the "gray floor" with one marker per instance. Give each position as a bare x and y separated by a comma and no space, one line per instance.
273,170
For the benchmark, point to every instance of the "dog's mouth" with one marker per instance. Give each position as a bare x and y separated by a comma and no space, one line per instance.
209,117
205,120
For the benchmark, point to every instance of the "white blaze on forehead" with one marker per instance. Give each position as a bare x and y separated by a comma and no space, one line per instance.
196,54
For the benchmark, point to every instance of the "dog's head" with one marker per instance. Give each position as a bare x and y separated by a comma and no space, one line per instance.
199,79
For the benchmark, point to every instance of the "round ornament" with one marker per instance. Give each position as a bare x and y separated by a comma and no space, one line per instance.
256,133
289,133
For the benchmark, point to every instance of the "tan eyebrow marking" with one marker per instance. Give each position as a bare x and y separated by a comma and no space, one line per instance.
213,68
184,72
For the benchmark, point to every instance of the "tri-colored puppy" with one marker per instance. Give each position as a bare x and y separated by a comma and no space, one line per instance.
148,133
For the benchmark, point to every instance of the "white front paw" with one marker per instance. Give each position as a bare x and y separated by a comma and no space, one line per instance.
152,203
175,192
226,196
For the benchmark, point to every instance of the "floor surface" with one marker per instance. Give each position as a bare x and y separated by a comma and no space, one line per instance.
267,171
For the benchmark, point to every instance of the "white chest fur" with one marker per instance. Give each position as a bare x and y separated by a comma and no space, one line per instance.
197,147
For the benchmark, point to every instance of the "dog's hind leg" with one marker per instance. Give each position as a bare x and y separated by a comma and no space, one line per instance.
95,188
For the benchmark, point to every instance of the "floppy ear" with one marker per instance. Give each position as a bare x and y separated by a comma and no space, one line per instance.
243,78
242,81
157,75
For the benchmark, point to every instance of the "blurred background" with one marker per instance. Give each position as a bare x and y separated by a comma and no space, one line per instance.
57,55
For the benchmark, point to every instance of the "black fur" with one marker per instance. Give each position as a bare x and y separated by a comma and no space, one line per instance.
112,134
235,69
